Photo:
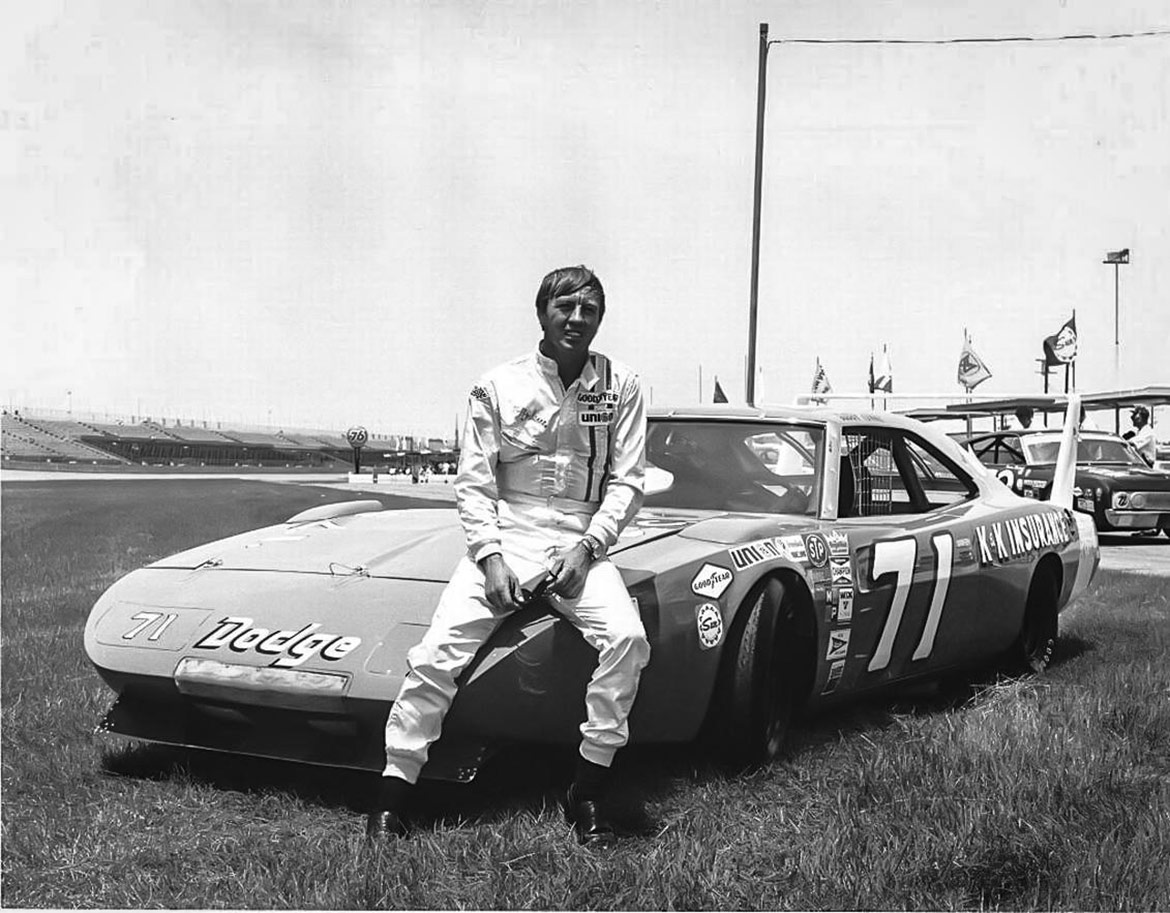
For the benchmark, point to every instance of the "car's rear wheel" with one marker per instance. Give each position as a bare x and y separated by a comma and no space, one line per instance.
1034,647
759,679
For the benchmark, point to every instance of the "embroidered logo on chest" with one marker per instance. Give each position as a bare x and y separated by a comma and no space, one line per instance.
527,415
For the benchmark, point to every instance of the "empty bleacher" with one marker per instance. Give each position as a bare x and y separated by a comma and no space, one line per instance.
54,438
52,442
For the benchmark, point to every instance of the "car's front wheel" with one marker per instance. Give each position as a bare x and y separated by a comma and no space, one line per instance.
759,678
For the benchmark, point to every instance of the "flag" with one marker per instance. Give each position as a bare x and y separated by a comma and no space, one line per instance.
1117,256
972,370
872,382
820,382
1061,347
720,396
884,380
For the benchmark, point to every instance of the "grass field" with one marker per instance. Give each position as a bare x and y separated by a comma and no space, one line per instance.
1047,793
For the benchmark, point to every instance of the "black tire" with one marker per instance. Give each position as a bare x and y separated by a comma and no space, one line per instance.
1034,647
756,693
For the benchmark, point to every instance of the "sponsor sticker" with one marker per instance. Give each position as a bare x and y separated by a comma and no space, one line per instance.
835,672
288,649
711,581
838,543
754,553
817,549
709,621
597,417
845,605
838,644
842,570
1085,504
794,546
1005,540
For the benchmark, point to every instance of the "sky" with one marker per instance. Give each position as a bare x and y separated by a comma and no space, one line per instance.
310,214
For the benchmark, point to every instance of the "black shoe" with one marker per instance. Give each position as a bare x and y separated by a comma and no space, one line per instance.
383,825
591,825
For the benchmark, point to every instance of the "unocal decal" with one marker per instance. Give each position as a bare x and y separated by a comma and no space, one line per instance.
289,648
711,581
746,556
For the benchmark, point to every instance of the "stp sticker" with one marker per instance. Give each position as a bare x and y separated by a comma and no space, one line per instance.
817,548
709,621
838,644
711,581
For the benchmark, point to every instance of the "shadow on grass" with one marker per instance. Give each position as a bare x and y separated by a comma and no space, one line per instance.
533,778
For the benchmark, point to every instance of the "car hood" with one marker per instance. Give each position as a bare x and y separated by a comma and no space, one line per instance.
403,544
1147,478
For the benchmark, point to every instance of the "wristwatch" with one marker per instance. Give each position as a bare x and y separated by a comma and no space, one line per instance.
594,546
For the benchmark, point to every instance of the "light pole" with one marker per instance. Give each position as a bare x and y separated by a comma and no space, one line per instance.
1116,258
750,386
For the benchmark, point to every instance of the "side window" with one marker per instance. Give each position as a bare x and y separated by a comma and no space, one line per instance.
885,472
940,481
871,485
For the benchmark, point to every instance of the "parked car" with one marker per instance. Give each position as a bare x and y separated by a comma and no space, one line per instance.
784,559
1113,483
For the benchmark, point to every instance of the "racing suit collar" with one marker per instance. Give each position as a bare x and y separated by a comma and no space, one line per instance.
587,379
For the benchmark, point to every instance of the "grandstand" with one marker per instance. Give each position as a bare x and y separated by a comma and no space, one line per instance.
32,440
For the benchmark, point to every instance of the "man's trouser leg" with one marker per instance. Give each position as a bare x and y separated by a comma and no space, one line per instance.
462,622
607,619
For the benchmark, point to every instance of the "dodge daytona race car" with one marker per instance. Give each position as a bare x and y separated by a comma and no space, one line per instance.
784,559
1113,483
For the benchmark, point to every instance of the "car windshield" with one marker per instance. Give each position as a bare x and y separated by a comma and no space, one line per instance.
1089,450
734,466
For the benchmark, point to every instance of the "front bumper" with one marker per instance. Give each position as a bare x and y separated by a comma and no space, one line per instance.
1135,519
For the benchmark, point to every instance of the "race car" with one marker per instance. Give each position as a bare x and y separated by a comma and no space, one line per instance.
784,559
1113,483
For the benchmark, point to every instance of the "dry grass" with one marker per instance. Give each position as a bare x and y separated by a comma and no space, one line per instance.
1045,793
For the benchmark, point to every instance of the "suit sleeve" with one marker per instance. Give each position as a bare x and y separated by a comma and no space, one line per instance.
625,485
475,484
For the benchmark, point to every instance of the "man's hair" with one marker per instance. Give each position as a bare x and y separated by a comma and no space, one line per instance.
1140,412
569,280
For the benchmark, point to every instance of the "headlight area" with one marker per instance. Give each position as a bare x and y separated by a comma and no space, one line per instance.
286,689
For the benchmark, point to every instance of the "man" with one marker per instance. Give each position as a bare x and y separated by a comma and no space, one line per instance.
550,472
1024,416
1142,435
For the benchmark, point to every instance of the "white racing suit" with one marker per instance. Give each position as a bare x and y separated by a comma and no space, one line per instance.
540,467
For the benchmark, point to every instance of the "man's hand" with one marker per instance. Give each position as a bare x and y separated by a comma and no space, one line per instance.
500,585
569,571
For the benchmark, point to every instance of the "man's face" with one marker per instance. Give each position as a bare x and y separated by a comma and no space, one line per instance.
570,322
1137,419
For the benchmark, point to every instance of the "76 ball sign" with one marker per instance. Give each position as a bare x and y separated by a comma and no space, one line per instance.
357,437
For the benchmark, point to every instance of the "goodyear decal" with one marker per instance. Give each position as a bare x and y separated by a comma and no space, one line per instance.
288,649
1005,540
842,570
609,397
838,543
754,553
709,621
711,581
838,644
817,549
835,672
